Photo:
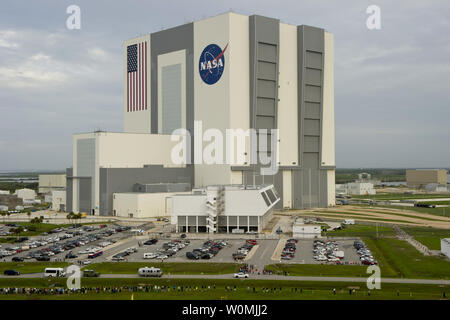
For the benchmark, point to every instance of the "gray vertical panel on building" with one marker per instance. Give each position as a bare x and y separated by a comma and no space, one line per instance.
86,168
69,190
264,63
309,185
85,195
171,98
167,41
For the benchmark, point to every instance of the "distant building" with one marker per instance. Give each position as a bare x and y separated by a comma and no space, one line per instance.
50,182
4,192
59,200
305,231
25,194
434,187
445,246
420,178
355,188
10,200
3,208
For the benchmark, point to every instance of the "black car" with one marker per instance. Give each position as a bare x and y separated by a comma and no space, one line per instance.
71,255
43,258
150,242
192,256
183,235
17,259
11,273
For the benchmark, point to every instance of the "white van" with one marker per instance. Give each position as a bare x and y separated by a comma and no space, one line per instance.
150,272
349,221
54,272
150,255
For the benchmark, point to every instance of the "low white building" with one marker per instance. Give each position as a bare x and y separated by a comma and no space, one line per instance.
4,192
58,200
360,188
445,246
142,205
3,208
224,209
25,194
301,230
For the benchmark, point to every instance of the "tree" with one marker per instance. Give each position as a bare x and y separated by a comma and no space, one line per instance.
29,215
3,214
17,230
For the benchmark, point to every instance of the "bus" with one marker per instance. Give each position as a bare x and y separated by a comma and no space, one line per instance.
95,254
54,272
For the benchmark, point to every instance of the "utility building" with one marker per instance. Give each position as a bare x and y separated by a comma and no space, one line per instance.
229,72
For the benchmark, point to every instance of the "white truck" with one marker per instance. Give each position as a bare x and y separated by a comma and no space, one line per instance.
349,221
150,272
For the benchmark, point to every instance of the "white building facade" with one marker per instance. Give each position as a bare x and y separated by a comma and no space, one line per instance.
228,72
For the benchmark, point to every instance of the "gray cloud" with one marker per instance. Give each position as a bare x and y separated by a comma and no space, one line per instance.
391,85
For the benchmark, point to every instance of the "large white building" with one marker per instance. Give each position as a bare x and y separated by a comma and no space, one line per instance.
228,72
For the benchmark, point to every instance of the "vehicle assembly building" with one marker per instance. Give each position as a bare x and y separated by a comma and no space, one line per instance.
229,72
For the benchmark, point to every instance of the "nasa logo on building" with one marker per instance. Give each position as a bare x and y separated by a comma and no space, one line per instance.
212,63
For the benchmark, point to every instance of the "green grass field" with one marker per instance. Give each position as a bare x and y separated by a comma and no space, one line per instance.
361,216
167,267
445,212
192,289
399,196
397,258
31,267
359,230
430,237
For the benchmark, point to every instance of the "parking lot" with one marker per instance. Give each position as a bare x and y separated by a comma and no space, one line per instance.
65,244
117,243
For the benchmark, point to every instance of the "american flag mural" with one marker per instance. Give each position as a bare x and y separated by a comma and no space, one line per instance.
137,77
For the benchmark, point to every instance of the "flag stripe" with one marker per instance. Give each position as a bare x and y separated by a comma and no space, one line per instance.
137,81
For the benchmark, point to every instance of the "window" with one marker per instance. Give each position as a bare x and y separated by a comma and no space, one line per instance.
266,199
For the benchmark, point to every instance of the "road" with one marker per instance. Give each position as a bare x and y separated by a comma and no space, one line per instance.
259,277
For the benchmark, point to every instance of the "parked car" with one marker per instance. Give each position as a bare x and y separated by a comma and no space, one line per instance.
150,242
240,275
90,274
192,256
11,273
17,259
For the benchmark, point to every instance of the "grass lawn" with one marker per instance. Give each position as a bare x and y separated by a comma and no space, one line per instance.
399,196
34,229
360,216
397,258
428,236
326,270
192,289
31,267
359,230
437,202
433,211
166,267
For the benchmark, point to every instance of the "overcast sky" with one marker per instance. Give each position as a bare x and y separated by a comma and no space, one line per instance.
392,86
